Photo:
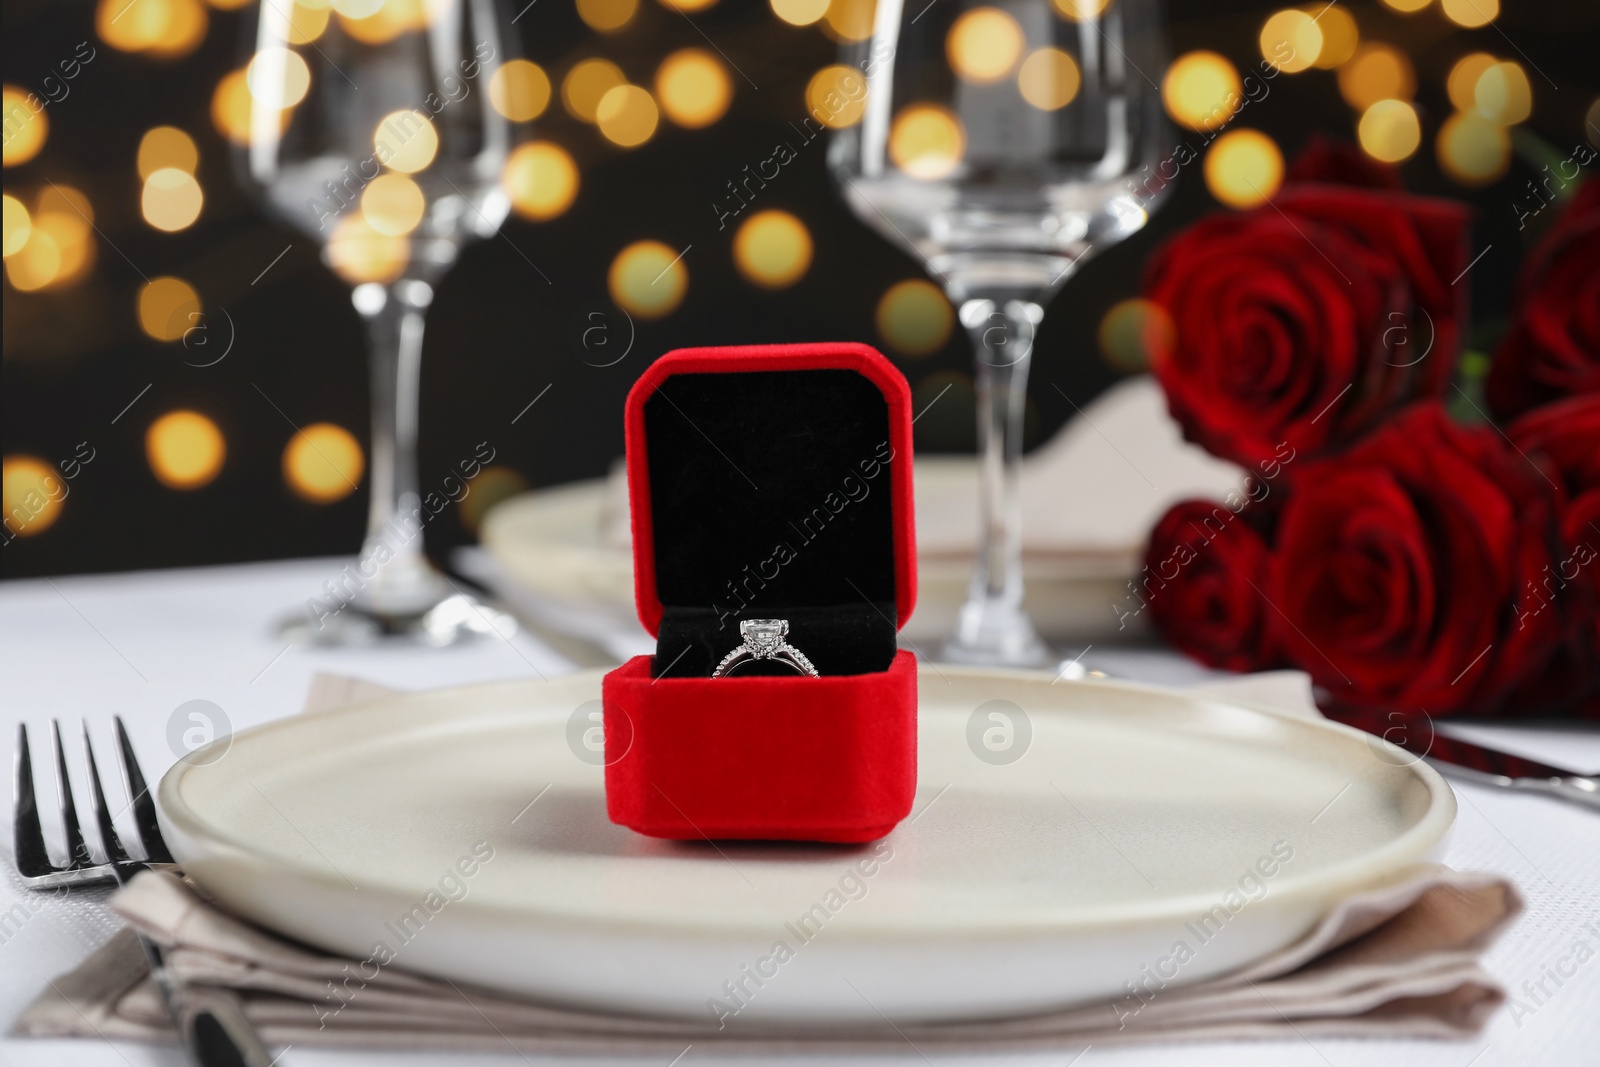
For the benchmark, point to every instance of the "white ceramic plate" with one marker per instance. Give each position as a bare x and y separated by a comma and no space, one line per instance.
1132,815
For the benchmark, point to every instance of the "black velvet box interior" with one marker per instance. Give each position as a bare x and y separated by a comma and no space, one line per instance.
770,499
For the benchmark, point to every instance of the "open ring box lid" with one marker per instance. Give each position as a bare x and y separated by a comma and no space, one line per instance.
768,482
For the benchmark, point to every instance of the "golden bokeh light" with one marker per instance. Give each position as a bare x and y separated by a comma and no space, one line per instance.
627,116
1470,13
1376,72
1291,40
1389,131
164,147
687,5
849,20
693,87
1472,150
393,204
358,253
1340,34
540,179
607,16
1078,10
647,279
490,486
983,45
277,77
232,108
836,96
1201,90
586,83
1049,79
354,9
165,28
1243,168
71,236
294,21
168,308
914,318
1503,94
37,264
65,199
799,12
25,125
772,249
1407,7
520,90
927,141
185,449
1462,84
405,141
1135,335
18,225
234,5
172,199
323,463
31,493
377,22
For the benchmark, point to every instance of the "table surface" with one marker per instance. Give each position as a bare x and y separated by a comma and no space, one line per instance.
142,644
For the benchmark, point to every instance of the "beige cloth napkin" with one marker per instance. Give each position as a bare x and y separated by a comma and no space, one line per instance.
1399,960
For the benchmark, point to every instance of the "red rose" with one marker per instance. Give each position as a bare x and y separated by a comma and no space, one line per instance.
1205,569
1303,323
1553,347
1407,568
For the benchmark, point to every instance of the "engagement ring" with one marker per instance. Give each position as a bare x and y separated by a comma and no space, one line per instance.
764,639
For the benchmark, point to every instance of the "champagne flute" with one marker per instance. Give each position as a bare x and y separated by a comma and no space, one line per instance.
1002,142
371,130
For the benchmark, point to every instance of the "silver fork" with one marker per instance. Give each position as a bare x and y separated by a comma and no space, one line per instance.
215,1034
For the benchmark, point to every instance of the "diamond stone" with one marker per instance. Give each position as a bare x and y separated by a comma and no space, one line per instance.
763,635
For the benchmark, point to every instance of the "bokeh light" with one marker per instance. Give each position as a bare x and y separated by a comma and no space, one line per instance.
586,83
405,141
72,237
799,12
1201,90
164,147
519,90
772,249
377,22
1135,335
393,204
1049,79
1291,40
540,179
1340,34
1470,13
185,449
31,492
914,318
836,96
647,279
687,5
165,28
232,108
294,21
1389,131
35,265
927,141
323,463
1243,168
171,200
693,87
26,126
354,9
168,308
607,16
1472,150
1503,94
1462,84
1376,72
849,20
358,253
1407,7
627,116
277,77
983,45
490,486
1078,10
18,225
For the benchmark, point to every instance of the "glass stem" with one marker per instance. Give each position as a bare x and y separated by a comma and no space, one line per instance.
405,583
993,627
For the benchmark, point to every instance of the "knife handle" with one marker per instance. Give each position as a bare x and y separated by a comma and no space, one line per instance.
219,1035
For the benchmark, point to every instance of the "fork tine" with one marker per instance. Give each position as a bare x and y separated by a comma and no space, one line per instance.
102,814
144,805
77,849
33,859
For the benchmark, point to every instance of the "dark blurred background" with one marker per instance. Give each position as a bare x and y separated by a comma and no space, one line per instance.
81,377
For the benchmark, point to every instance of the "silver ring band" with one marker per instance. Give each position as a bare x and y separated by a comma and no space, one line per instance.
764,639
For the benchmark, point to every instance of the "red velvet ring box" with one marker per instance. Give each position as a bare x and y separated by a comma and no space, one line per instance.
768,482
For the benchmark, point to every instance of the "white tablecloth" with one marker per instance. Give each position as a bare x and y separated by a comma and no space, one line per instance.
141,644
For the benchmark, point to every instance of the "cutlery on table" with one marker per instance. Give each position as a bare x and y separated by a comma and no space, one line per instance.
216,1035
